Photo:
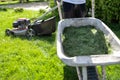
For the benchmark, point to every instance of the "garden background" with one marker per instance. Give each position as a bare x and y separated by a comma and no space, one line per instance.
36,59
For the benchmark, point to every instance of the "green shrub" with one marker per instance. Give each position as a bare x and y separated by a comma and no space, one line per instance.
3,9
42,11
18,9
108,10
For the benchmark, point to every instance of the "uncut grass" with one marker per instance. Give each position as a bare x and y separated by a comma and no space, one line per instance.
23,59
84,40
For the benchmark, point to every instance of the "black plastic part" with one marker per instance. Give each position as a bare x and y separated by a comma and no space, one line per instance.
15,24
44,27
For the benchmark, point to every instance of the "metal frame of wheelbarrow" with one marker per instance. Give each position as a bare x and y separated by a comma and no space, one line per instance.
91,60
96,59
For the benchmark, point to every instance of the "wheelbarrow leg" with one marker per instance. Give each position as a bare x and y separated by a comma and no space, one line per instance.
78,73
84,73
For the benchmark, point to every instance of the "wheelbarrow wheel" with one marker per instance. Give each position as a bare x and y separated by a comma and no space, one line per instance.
30,33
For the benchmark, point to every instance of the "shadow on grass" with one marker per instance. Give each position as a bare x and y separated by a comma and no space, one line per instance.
70,73
50,38
115,27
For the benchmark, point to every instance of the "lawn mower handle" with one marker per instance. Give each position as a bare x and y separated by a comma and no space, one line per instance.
52,9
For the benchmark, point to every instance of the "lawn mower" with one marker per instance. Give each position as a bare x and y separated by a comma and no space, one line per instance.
24,27
38,27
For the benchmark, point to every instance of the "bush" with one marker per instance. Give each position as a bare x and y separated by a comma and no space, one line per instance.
3,9
18,9
42,11
108,10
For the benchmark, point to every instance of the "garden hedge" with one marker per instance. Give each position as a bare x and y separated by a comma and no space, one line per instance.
108,10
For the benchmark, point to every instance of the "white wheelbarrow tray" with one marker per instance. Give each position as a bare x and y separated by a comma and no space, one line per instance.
91,60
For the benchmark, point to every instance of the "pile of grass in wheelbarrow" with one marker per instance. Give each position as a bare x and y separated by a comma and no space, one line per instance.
84,40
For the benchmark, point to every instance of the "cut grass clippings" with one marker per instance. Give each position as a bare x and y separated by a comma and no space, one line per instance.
84,40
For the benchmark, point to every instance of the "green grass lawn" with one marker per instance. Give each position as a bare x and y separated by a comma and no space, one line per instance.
24,59
35,59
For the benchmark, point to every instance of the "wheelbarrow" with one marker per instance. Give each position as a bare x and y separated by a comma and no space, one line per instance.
89,60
